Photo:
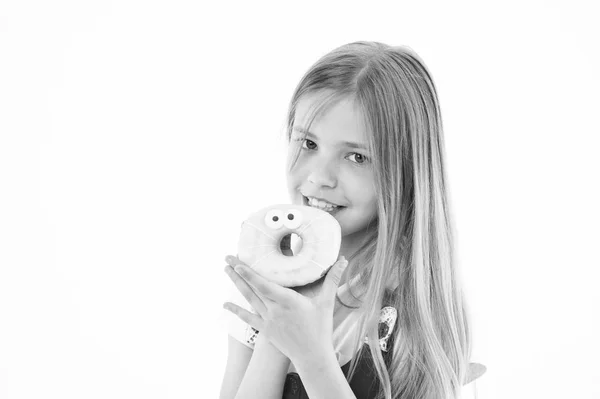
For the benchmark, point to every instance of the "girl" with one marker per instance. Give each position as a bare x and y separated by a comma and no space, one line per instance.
365,135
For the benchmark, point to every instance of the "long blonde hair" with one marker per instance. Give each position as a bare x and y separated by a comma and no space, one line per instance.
413,241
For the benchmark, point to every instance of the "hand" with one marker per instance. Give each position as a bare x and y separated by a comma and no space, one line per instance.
299,326
310,290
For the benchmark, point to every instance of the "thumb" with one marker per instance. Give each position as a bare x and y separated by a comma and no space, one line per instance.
334,276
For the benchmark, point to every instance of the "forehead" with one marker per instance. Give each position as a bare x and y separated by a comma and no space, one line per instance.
336,116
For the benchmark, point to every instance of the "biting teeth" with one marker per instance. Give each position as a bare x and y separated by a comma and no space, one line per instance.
320,204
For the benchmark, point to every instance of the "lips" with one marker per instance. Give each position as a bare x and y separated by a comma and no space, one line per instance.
324,200
336,209
306,200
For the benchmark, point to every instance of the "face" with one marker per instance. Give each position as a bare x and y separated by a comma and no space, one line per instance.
329,167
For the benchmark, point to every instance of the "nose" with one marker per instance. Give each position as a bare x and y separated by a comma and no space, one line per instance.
323,173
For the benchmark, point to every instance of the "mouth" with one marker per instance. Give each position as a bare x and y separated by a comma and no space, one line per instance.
332,212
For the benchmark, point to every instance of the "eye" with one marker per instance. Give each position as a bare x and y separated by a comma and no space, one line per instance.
311,142
362,158
302,140
293,219
274,219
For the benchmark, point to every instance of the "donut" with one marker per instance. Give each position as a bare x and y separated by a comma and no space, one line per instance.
259,244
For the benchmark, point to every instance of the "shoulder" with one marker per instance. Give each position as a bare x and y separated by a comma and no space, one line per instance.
469,389
475,371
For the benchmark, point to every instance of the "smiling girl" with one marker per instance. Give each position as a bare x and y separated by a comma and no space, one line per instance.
365,144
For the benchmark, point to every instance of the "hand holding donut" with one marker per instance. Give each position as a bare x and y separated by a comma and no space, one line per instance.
297,320
300,327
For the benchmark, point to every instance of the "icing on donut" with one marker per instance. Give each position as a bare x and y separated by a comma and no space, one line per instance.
259,244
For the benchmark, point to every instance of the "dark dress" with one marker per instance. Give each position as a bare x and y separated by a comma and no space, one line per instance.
364,383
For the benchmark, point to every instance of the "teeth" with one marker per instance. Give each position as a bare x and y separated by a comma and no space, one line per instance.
326,208
321,204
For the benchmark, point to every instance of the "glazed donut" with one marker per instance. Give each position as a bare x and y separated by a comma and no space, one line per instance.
259,245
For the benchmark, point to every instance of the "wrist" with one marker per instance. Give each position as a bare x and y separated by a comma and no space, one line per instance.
263,345
317,360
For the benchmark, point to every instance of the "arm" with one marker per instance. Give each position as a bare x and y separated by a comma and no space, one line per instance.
323,378
265,375
238,357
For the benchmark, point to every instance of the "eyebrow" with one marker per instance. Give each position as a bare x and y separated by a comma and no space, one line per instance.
346,143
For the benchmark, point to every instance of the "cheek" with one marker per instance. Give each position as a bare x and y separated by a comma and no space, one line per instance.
369,206
299,173
294,155
293,177
294,182
363,190
368,200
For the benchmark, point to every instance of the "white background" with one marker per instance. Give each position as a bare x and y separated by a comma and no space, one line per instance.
135,136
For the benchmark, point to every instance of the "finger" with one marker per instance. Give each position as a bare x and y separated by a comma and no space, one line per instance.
266,288
233,261
249,318
333,278
246,290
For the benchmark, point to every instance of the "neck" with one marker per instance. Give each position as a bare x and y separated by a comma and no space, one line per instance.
350,245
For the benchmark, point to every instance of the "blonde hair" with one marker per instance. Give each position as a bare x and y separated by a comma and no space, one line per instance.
413,241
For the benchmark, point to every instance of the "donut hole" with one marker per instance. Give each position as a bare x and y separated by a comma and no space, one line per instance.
291,244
